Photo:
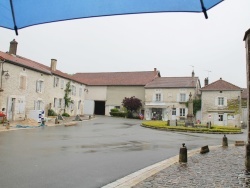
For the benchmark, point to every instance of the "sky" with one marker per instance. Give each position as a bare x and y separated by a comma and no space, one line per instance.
174,43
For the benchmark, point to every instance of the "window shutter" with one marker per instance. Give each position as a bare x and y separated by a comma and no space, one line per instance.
216,101
177,112
186,97
178,97
63,103
35,105
37,86
225,101
162,97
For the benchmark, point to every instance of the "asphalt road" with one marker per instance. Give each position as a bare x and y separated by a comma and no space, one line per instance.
91,154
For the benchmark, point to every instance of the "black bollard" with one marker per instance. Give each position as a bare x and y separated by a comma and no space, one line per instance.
183,154
224,141
204,149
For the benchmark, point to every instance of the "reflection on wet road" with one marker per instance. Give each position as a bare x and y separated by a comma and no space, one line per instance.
91,154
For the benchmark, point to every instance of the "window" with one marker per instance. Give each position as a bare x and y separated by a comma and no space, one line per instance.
55,102
80,92
39,86
62,84
73,90
174,111
79,104
158,97
39,105
60,103
220,101
56,81
22,82
220,117
182,97
182,112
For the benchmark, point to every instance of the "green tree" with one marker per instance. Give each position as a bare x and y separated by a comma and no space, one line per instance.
67,98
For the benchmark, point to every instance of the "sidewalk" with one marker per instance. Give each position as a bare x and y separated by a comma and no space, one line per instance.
220,168
29,123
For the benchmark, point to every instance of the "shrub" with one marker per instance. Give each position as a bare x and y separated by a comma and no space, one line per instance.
51,113
65,114
114,110
118,114
215,129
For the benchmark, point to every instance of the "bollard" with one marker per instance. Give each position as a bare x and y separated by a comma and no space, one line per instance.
204,149
183,154
224,141
56,121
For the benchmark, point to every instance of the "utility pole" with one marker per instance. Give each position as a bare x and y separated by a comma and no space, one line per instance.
247,45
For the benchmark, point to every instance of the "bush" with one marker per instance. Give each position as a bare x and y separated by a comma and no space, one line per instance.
51,113
215,129
114,110
65,114
118,114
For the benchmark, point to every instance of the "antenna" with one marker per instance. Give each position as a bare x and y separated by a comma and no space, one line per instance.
192,67
208,71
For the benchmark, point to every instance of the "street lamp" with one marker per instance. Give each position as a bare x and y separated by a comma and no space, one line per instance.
3,73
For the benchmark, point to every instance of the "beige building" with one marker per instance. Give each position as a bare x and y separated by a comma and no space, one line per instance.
166,97
108,89
32,86
221,103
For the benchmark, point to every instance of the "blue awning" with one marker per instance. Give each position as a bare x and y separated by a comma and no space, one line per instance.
18,14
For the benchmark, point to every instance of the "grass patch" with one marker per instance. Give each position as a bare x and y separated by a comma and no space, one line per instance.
162,125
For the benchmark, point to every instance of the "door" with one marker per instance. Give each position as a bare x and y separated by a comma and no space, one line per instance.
173,115
11,109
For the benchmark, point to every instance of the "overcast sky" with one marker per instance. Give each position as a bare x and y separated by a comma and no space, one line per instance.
174,43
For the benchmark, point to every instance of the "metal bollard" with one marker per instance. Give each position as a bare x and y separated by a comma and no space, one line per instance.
183,154
224,141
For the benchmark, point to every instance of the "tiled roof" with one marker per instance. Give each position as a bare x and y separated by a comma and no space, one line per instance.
27,63
221,85
173,82
117,78
30,64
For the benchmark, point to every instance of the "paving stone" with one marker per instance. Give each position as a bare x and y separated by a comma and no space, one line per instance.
218,168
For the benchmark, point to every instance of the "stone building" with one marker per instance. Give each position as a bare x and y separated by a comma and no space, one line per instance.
166,97
34,86
221,103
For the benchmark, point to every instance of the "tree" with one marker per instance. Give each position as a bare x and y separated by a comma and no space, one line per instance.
67,98
132,104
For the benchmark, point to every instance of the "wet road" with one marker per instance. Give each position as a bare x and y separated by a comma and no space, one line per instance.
91,154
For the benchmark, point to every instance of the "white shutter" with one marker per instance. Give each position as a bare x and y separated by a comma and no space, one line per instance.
35,105
21,105
225,101
63,103
177,112
37,86
178,97
216,101
186,97
162,99
56,103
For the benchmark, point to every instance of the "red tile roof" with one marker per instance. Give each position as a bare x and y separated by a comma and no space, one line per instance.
117,78
221,85
30,64
173,82
21,61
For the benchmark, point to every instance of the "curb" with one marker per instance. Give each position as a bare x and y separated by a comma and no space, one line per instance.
137,177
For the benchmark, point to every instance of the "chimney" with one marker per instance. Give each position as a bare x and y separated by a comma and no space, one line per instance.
192,74
53,64
13,47
206,82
